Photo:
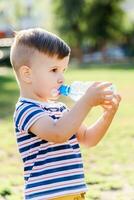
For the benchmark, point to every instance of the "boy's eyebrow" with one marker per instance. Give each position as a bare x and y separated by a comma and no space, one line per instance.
56,66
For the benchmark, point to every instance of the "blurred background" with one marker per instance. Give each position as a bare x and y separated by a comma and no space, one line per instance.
101,36
97,31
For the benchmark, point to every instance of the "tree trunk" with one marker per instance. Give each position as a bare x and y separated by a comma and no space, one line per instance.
77,53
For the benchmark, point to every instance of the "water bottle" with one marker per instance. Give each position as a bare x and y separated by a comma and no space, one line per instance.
77,89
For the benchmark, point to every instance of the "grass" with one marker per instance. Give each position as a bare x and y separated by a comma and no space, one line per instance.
108,166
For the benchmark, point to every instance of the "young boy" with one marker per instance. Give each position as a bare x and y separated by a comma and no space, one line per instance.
48,133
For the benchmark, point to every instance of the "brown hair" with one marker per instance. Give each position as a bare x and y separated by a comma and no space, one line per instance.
27,41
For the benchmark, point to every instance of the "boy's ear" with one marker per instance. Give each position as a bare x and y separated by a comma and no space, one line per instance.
25,73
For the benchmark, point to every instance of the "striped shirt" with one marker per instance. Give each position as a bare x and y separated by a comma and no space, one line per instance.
51,169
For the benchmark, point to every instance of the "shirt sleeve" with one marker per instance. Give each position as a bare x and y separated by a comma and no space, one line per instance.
63,107
27,115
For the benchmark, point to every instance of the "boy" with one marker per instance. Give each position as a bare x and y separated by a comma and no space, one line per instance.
48,134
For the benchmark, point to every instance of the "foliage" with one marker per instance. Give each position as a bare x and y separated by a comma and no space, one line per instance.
105,21
128,42
80,21
69,19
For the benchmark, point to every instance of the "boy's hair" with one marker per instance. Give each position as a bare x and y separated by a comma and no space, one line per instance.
28,41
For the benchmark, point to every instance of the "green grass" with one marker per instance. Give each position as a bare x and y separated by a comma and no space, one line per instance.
108,166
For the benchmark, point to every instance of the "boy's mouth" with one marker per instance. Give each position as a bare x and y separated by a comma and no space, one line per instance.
55,92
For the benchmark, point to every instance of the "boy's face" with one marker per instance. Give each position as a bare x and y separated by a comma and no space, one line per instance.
47,74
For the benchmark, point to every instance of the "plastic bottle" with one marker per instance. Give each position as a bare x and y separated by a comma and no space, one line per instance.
77,89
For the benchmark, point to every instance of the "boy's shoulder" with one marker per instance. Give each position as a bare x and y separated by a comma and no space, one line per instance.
27,111
25,102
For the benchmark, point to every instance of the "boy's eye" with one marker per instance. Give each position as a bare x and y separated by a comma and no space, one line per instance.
54,70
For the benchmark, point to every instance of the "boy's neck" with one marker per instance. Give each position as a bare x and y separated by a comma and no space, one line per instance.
28,95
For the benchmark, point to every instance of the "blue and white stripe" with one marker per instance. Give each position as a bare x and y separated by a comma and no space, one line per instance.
50,170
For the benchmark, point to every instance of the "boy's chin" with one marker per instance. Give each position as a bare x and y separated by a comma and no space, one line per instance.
54,98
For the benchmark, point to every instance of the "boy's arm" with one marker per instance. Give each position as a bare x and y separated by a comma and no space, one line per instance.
90,136
65,127
61,130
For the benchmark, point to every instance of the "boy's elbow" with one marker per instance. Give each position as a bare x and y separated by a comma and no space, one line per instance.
60,137
90,144
60,140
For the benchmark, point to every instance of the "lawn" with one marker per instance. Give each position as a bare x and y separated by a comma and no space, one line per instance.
108,166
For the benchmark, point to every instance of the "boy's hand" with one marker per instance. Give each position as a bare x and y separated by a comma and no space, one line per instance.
110,107
98,93
90,136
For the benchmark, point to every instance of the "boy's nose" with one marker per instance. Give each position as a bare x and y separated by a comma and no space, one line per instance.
61,80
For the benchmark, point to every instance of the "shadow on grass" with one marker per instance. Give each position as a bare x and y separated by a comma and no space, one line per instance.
8,96
112,66
9,90
5,79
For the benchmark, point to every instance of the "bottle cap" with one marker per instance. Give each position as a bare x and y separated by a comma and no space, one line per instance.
64,90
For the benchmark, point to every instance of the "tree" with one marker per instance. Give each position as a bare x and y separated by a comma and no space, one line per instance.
68,19
128,42
81,20
68,22
105,21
